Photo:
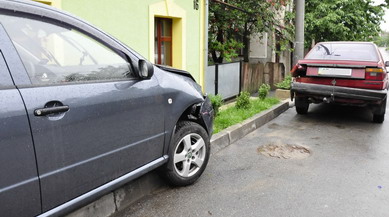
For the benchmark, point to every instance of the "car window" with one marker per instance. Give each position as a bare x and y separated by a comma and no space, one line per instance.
54,54
338,51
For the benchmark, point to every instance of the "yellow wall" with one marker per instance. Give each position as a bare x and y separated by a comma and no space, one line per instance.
133,21
168,9
54,3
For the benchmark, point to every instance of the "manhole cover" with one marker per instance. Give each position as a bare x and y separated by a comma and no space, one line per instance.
284,151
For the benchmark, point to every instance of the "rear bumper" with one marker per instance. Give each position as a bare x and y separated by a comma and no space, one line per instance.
318,90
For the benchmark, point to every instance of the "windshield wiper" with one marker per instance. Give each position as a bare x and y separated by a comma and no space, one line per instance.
326,49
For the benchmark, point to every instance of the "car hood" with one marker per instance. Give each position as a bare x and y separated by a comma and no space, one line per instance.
176,71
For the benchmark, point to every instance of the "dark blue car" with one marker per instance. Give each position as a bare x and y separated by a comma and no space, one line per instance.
82,114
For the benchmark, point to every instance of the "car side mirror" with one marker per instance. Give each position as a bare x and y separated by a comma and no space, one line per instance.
387,64
145,69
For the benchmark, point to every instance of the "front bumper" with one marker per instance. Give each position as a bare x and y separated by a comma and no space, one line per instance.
207,113
333,92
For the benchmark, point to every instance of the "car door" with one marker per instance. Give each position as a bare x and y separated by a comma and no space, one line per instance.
19,184
92,120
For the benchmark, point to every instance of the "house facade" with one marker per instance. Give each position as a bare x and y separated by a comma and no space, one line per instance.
168,32
262,45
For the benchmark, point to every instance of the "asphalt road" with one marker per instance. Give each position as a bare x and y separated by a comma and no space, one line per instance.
345,174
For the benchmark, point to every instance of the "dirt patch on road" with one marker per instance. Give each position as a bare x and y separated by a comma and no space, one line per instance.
274,126
284,151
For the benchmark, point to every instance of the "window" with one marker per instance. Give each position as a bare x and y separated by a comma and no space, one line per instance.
163,41
53,54
346,51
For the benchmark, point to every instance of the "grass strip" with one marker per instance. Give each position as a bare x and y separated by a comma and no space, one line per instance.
232,115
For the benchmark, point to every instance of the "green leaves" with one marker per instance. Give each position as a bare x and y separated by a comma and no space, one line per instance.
232,22
217,102
285,84
227,50
263,91
341,20
243,100
383,40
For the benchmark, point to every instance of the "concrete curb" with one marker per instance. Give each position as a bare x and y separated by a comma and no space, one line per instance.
149,183
121,198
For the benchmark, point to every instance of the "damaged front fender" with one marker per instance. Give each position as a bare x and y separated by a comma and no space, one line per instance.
207,114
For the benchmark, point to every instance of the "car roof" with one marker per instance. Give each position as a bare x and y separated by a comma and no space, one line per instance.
350,42
346,42
58,16
349,45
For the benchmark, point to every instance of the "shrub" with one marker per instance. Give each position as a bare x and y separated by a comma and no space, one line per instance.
216,102
285,84
243,100
263,91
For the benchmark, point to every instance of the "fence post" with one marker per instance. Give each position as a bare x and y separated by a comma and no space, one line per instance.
216,79
240,75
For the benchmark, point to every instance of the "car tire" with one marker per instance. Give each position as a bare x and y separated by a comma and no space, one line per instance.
302,105
188,154
379,113
378,118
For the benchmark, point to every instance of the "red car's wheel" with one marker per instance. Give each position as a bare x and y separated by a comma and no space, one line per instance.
379,113
302,105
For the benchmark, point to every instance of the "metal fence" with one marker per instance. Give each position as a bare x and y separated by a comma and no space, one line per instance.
223,79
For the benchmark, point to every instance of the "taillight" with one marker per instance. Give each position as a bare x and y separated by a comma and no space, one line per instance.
298,70
377,74
293,72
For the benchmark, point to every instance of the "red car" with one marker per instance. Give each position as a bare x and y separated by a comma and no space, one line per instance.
348,73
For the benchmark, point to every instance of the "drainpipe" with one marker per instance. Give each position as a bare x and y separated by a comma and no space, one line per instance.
206,38
299,41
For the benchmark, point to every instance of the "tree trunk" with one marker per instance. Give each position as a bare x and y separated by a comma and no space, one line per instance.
219,38
246,44
214,56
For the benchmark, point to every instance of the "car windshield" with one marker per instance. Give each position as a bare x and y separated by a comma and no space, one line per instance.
346,51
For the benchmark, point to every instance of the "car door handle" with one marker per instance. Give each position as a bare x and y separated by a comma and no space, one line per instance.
47,111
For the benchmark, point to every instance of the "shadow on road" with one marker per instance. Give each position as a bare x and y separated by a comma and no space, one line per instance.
336,113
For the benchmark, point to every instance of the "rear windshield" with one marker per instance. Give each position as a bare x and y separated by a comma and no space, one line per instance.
338,51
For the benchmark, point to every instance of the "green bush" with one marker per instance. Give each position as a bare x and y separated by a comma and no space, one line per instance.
217,102
285,84
263,91
243,100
